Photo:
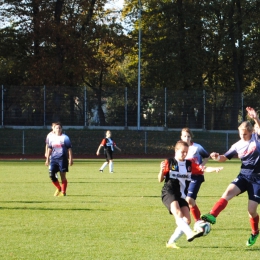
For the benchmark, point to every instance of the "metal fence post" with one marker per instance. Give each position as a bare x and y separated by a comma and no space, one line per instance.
125,106
44,106
2,123
85,106
165,107
23,143
204,110
145,141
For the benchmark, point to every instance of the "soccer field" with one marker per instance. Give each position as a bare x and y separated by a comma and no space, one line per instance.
111,216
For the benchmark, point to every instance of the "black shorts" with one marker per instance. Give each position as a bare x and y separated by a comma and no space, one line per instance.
108,154
168,198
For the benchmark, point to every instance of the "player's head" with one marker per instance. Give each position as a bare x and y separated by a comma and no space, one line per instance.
57,128
108,134
245,131
181,149
52,125
186,135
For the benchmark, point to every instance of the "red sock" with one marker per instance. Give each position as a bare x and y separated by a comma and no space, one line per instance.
64,186
254,224
195,212
218,207
57,184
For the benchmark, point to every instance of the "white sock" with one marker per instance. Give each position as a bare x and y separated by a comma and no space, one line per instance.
103,166
111,166
176,235
182,224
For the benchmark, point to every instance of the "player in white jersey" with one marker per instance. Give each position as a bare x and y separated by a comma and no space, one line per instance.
200,156
248,150
47,142
59,148
176,173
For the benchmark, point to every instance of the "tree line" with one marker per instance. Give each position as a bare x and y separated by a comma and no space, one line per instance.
185,45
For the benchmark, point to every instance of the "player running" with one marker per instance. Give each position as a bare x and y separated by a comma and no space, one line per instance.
176,173
59,147
247,149
200,156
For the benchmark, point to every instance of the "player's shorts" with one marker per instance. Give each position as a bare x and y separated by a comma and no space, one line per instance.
108,154
249,183
168,198
61,165
194,186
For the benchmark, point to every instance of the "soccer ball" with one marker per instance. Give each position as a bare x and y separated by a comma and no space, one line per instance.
202,225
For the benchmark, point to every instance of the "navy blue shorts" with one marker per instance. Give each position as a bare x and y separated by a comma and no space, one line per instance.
249,183
194,186
61,165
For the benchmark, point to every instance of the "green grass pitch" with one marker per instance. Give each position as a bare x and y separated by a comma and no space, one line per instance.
111,216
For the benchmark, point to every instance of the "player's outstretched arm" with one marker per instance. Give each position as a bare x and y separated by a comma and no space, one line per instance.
161,172
252,114
217,157
118,148
98,150
213,169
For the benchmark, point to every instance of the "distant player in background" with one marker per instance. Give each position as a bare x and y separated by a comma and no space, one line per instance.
47,141
248,150
200,156
59,148
109,146
176,173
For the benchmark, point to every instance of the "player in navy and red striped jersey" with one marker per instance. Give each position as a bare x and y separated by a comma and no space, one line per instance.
200,156
109,145
248,150
59,148
176,173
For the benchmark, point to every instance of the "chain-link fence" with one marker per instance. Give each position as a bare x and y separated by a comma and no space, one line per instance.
83,107
133,143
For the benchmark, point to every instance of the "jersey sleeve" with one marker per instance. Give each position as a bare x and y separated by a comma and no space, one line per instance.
103,142
167,167
67,142
231,152
203,153
196,168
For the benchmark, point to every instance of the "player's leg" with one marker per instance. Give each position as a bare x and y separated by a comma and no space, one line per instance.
182,216
53,173
233,189
64,168
193,190
110,158
254,200
64,184
105,163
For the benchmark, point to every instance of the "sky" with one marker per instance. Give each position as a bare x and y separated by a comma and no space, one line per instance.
116,3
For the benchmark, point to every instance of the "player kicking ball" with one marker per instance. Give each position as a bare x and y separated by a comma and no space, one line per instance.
176,174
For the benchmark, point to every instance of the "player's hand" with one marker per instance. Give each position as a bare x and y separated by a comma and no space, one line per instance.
47,162
251,112
162,166
70,162
214,155
218,169
97,153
